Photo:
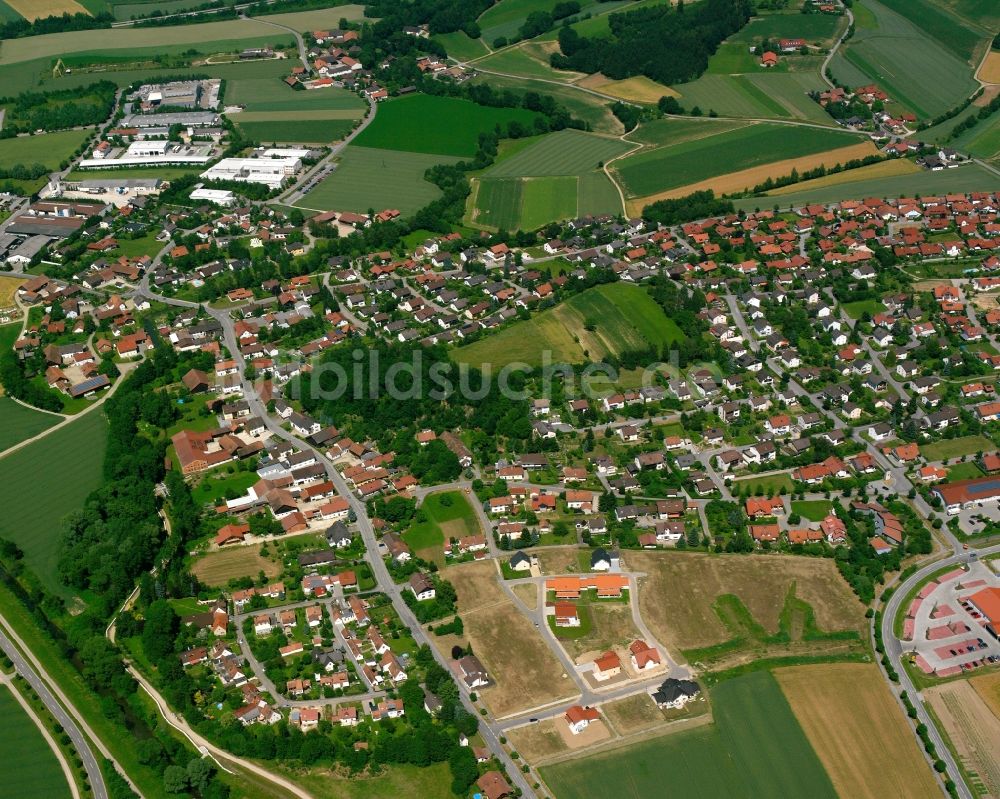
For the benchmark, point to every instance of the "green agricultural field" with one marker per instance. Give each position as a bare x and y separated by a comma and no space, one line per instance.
164,173
21,423
42,483
979,12
956,447
7,14
767,94
459,46
754,749
971,177
622,317
915,69
811,27
268,93
566,152
447,515
942,25
674,130
507,16
498,203
734,58
547,200
369,178
689,162
48,149
519,61
38,773
421,123
312,131
597,195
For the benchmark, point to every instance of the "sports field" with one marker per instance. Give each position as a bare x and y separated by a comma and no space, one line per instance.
843,708
369,178
21,423
622,317
971,177
755,749
566,152
34,770
653,171
422,123
45,481
915,68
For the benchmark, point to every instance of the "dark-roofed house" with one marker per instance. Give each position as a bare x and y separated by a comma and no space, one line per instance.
675,693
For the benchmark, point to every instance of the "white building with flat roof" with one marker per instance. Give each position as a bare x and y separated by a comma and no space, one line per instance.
217,196
271,172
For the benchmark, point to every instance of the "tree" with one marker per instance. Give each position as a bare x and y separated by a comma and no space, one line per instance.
159,630
175,779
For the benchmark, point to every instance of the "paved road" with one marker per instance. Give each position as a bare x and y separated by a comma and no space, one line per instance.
81,744
298,37
833,50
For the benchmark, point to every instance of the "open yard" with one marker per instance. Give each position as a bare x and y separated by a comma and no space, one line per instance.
430,782
421,123
448,515
973,729
611,627
369,178
755,749
45,481
673,166
218,568
639,713
768,483
526,671
21,422
760,582
956,447
622,318
37,772
843,708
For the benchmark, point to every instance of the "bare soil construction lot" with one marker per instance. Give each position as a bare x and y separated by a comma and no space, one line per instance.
859,732
973,730
526,672
676,596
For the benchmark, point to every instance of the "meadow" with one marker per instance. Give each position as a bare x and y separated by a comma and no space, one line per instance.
448,514
674,130
755,749
37,772
843,707
530,203
459,46
566,152
764,95
369,178
269,93
971,177
281,128
525,63
45,481
545,200
506,17
915,69
421,123
670,167
811,27
21,423
941,24
48,149
621,317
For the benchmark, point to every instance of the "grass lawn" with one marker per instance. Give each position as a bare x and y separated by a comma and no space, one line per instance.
421,123
770,483
682,164
622,317
38,773
369,178
270,93
42,483
856,310
956,447
144,245
432,782
219,567
20,423
815,510
448,515
964,471
755,749
48,149
217,485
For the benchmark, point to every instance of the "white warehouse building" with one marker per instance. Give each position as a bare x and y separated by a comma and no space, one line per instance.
269,171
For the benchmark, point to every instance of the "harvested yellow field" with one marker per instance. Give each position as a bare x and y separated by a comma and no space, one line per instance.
990,70
8,285
218,568
844,709
638,89
760,581
748,178
38,9
988,687
885,169
973,730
